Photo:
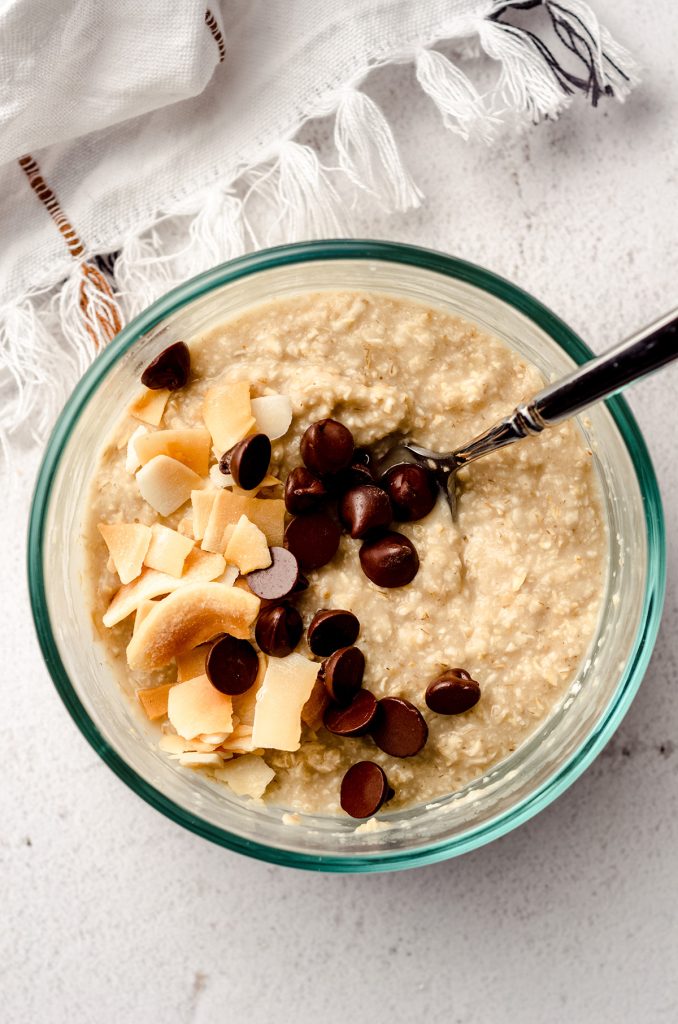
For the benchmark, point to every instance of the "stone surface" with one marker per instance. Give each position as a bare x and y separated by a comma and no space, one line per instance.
111,912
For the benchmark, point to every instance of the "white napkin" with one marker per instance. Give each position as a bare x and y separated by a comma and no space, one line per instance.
163,132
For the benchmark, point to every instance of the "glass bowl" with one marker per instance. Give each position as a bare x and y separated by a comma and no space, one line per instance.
513,790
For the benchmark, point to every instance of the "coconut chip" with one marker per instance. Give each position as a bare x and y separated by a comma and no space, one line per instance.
168,550
127,544
227,413
247,547
246,776
190,446
199,565
154,700
188,617
196,707
149,406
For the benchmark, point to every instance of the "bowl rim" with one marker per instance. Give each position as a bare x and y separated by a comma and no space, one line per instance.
565,337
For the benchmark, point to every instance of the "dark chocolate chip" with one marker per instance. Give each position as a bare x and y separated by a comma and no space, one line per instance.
170,369
303,491
365,508
354,720
248,461
359,472
399,729
278,580
278,630
232,665
389,561
413,492
313,539
327,446
301,584
330,629
342,674
452,693
364,788
362,457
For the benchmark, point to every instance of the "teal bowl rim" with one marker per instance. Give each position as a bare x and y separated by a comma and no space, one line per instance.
391,253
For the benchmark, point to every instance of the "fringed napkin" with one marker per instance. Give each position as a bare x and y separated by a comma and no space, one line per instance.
143,143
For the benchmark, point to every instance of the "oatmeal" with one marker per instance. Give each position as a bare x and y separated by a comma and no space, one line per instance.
237,500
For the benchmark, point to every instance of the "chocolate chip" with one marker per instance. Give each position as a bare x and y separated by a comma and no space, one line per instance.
327,447
278,580
330,629
303,491
301,584
168,370
232,665
313,539
342,674
278,630
389,561
364,788
355,720
413,492
359,472
399,729
452,693
248,461
362,457
365,508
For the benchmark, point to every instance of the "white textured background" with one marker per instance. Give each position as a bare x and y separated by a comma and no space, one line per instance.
111,913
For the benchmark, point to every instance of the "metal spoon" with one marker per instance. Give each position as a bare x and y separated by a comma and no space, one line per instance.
644,352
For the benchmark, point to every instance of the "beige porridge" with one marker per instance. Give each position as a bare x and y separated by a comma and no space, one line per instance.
510,590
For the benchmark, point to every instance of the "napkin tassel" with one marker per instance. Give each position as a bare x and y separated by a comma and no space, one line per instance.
533,81
294,196
463,109
368,152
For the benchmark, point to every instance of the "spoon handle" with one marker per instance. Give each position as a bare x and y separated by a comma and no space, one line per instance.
644,352
639,355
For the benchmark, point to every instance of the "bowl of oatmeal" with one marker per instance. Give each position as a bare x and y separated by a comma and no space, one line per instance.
299,659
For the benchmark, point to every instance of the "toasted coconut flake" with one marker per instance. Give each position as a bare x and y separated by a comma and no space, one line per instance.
220,479
190,446
269,515
226,509
244,703
133,462
196,707
188,617
200,565
215,738
227,413
241,745
200,761
246,776
268,481
286,687
149,406
201,502
171,743
168,550
154,700
229,576
142,611
192,663
273,414
247,547
127,544
166,484
185,527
